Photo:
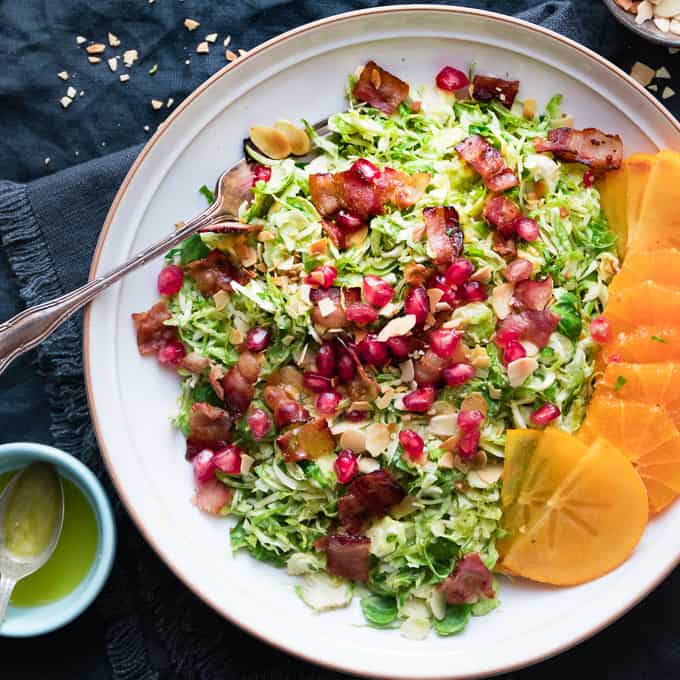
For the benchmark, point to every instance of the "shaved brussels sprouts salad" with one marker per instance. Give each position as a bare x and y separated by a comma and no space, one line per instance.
348,369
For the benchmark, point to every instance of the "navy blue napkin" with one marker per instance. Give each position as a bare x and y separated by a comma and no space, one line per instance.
146,624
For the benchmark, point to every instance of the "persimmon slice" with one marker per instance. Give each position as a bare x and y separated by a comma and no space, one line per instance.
589,525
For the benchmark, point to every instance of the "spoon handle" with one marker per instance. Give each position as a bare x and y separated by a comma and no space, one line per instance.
6,587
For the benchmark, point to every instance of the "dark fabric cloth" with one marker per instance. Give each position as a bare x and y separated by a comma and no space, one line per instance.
146,624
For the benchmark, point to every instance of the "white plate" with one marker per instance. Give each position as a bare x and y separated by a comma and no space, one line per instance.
303,74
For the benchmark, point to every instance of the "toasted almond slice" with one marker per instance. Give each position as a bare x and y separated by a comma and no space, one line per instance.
667,91
356,238
156,104
520,369
360,406
124,77
95,48
396,327
191,24
490,474
63,75
434,295
451,444
220,299
246,463
211,37
203,47
231,56
227,41
113,63
94,60
354,439
71,92
446,461
663,73
130,57
384,400
408,372
270,141
65,102
80,40
441,407
326,307
378,438
642,73
483,275
474,402
501,296
236,337
445,425
299,140
114,40
368,465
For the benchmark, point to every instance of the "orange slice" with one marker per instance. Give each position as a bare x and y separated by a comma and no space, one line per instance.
660,266
647,304
643,345
587,511
658,223
654,384
613,188
638,167
646,435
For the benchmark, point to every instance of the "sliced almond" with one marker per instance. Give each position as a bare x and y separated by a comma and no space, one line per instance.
490,474
378,438
446,461
114,40
124,77
356,238
434,295
520,369
191,24
408,372
211,37
113,63
220,299
354,439
270,141
156,104
95,48
203,48
451,444
397,327
298,138
663,73
326,307
642,73
667,91
501,297
418,232
474,402
80,40
130,57
483,275
441,407
63,75
360,406
384,400
236,337
231,56
65,102
368,465
71,92
246,463
445,425
94,60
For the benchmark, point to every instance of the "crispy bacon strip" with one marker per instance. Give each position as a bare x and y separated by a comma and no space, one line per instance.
590,146
380,88
152,333
502,213
469,582
212,496
533,294
486,88
531,325
215,272
443,234
488,162
208,423
347,556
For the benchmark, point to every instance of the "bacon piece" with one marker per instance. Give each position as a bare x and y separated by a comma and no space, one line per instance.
195,362
443,234
502,214
327,193
215,378
337,318
488,162
469,582
505,247
194,446
307,442
590,146
152,333
374,493
486,88
429,370
380,88
533,326
208,423
347,556
287,411
533,294
212,496
238,383
215,272
335,234
401,189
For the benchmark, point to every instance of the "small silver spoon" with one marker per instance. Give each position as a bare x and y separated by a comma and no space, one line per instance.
17,560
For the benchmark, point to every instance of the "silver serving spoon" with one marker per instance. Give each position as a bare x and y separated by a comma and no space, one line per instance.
31,518
29,328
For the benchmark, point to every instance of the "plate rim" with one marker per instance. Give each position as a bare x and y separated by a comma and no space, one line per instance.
103,237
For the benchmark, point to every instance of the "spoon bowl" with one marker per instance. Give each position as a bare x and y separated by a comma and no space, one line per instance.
31,519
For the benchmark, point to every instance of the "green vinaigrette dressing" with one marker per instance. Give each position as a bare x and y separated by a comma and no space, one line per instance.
72,558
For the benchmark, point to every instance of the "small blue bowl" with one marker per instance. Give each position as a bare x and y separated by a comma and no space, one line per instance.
40,619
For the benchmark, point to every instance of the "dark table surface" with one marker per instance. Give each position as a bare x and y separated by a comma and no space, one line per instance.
38,40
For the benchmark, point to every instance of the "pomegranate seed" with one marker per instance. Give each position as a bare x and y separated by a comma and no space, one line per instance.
600,330
459,271
373,351
327,403
518,270
261,173
204,466
258,339
417,303
526,228
420,400
316,382
473,291
376,291
346,466
361,313
172,353
615,359
289,412
505,335
325,360
412,443
451,79
323,276
458,374
470,419
348,220
346,367
443,342
228,460
259,423
544,414
365,170
468,444
356,416
513,350
588,178
170,279
400,347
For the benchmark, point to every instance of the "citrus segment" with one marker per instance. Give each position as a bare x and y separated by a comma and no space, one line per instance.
638,168
647,304
589,526
661,266
643,345
612,188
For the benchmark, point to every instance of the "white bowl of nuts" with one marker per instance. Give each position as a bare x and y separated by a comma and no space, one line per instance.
656,20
